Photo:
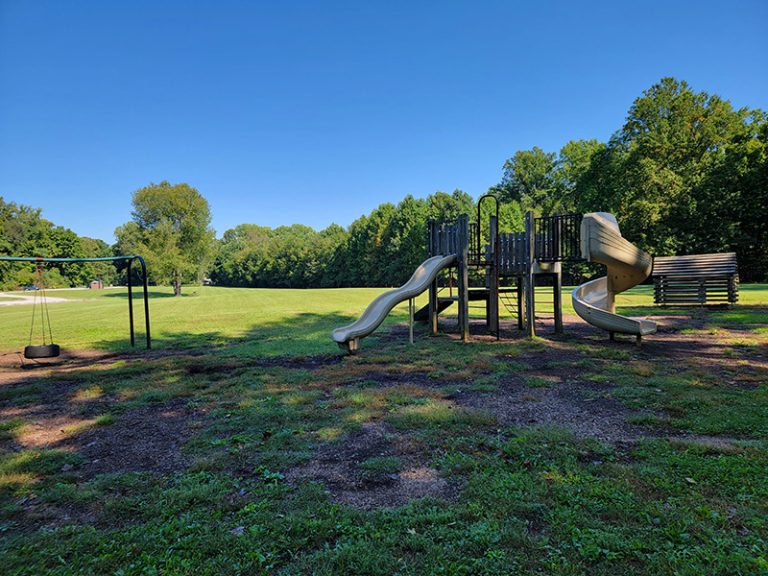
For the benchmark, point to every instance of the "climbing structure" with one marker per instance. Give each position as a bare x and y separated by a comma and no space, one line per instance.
512,264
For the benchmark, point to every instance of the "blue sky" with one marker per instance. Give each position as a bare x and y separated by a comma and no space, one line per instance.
316,112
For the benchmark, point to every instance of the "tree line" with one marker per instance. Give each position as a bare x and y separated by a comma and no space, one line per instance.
24,232
382,248
687,173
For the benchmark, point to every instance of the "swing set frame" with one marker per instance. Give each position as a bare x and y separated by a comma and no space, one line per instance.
40,260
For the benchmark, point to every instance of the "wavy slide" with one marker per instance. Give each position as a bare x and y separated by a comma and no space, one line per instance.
348,337
628,266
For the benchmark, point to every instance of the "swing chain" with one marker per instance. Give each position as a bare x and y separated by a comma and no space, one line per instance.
45,317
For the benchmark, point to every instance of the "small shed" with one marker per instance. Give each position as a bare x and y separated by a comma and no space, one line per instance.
96,285
696,279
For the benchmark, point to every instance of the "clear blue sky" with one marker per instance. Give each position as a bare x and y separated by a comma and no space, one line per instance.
316,112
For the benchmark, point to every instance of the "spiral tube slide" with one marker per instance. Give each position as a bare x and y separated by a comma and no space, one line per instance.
348,337
628,266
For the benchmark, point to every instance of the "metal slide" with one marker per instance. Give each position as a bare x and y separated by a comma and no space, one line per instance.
348,337
628,266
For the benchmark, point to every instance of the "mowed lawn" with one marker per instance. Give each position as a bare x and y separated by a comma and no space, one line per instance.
271,321
244,443
265,321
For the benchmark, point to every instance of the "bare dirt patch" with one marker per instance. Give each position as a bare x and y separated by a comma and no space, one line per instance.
145,439
338,466
14,367
579,407
59,414
21,299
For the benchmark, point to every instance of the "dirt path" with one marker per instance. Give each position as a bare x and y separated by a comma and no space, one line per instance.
19,299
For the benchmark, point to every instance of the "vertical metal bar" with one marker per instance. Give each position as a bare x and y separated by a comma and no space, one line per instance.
463,251
530,306
558,294
433,307
130,304
146,301
493,292
410,319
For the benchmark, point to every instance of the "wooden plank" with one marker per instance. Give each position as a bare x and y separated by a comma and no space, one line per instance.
696,266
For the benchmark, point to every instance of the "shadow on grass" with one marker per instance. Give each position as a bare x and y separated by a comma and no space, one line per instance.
748,317
302,334
138,294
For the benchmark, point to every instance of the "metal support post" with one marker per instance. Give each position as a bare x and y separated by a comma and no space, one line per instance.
530,255
493,284
558,298
410,320
463,273
130,304
146,301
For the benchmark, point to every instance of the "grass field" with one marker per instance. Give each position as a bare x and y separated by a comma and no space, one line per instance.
265,322
244,444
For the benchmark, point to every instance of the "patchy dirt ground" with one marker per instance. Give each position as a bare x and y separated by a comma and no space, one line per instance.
338,466
151,437
581,406
146,438
21,299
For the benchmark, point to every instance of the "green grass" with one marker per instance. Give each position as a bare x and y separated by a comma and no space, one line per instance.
271,322
531,500
264,322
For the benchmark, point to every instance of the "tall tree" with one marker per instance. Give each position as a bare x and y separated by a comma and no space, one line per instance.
170,226
404,242
652,171
573,162
529,178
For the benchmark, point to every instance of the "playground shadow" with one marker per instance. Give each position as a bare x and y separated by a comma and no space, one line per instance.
308,334
138,294
301,334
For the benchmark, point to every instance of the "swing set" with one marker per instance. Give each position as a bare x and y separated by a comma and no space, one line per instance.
47,349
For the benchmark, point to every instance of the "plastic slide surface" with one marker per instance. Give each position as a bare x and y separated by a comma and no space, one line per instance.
601,241
348,337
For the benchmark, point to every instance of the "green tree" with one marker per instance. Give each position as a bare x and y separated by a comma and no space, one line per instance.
733,201
448,207
652,171
241,254
24,232
404,241
573,162
170,227
529,178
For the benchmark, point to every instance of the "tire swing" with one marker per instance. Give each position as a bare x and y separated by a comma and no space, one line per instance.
47,349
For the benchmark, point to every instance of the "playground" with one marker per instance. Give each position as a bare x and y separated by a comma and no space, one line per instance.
245,442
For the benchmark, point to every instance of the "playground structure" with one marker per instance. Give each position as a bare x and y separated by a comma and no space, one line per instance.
51,350
512,263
